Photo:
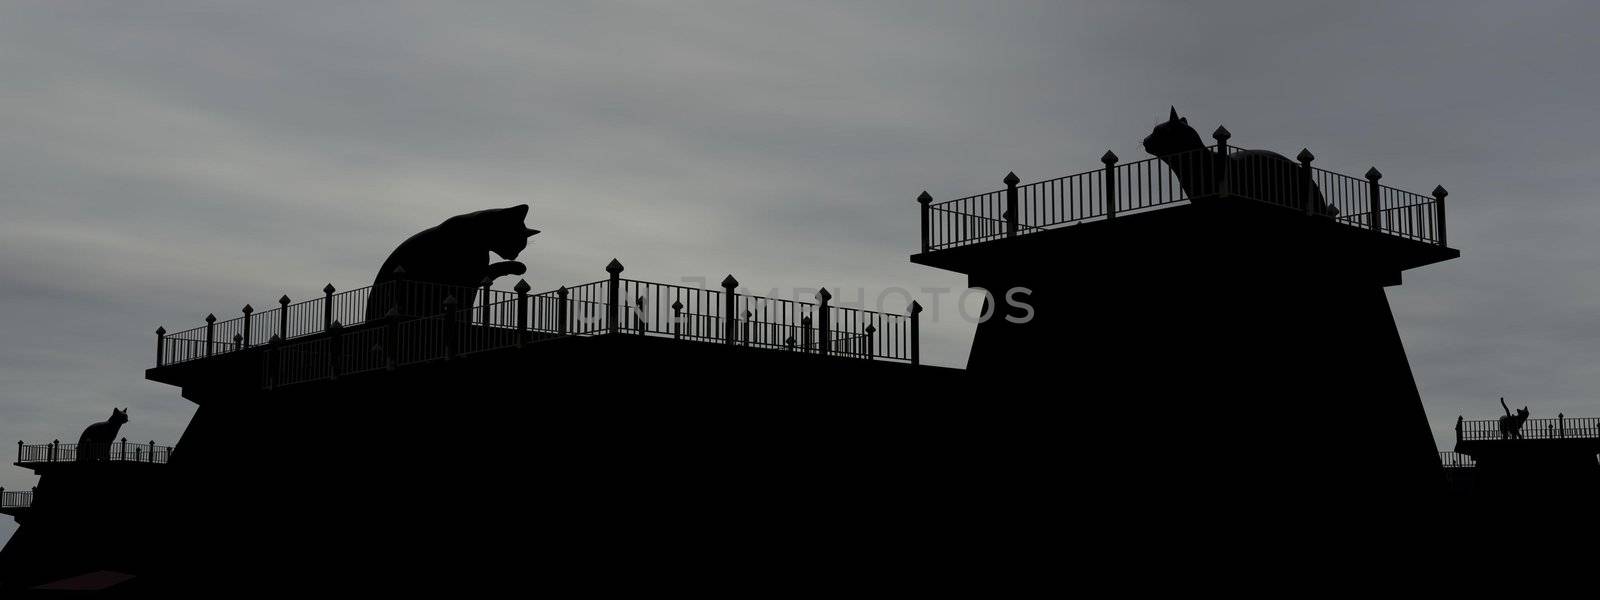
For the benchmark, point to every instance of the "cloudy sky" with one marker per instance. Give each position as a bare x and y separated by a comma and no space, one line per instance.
159,161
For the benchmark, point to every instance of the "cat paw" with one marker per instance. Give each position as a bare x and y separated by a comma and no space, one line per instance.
510,267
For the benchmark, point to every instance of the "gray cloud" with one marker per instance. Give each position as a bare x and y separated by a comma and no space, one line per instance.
164,162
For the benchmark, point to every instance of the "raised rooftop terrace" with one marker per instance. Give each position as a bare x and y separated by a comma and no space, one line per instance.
1404,220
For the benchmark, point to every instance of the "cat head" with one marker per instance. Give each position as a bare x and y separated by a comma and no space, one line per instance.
119,416
1523,412
1173,136
503,231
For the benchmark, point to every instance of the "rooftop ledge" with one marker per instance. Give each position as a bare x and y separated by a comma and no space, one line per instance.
1409,228
397,323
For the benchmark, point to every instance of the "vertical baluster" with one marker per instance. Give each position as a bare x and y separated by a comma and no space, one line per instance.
1109,183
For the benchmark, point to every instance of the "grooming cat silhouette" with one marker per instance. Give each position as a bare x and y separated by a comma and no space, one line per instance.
1256,174
454,253
95,443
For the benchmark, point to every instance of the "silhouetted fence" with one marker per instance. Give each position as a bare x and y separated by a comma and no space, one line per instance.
1456,460
609,306
121,451
1561,427
311,317
15,499
1152,183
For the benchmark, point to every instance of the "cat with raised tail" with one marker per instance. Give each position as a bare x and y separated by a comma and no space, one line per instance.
1511,424
1256,174
95,443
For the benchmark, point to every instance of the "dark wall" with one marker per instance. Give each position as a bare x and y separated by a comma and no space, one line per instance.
1255,355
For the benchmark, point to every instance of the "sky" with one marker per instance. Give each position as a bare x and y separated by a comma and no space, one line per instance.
162,161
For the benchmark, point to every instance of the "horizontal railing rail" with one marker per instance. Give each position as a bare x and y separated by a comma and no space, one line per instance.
120,451
1562,427
1158,182
1456,460
611,306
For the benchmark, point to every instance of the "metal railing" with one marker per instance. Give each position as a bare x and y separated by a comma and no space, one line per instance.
15,499
122,452
1154,183
1457,460
1561,427
312,317
607,307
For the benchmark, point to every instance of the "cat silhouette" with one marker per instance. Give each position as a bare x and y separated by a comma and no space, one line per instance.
95,443
1511,425
455,255
1256,174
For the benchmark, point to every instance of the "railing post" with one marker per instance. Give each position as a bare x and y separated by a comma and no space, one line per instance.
1222,135
869,330
1011,214
238,341
152,453
55,448
677,319
483,309
1458,428
805,334
1561,424
730,301
925,199
124,456
1374,199
211,322
612,295
745,330
1307,198
247,310
327,305
1110,180
335,348
916,332
1438,213
561,310
824,321
522,288
283,316
19,450
789,342
161,345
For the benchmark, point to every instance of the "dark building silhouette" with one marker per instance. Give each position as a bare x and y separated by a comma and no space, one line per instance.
1550,463
1166,334
1226,324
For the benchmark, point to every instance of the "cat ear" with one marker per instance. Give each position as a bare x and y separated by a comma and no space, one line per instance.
1173,116
529,232
519,211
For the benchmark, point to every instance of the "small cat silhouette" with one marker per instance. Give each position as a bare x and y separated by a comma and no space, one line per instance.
454,253
95,443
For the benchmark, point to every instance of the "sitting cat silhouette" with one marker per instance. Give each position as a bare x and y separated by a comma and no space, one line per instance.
1256,174
95,443
454,254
